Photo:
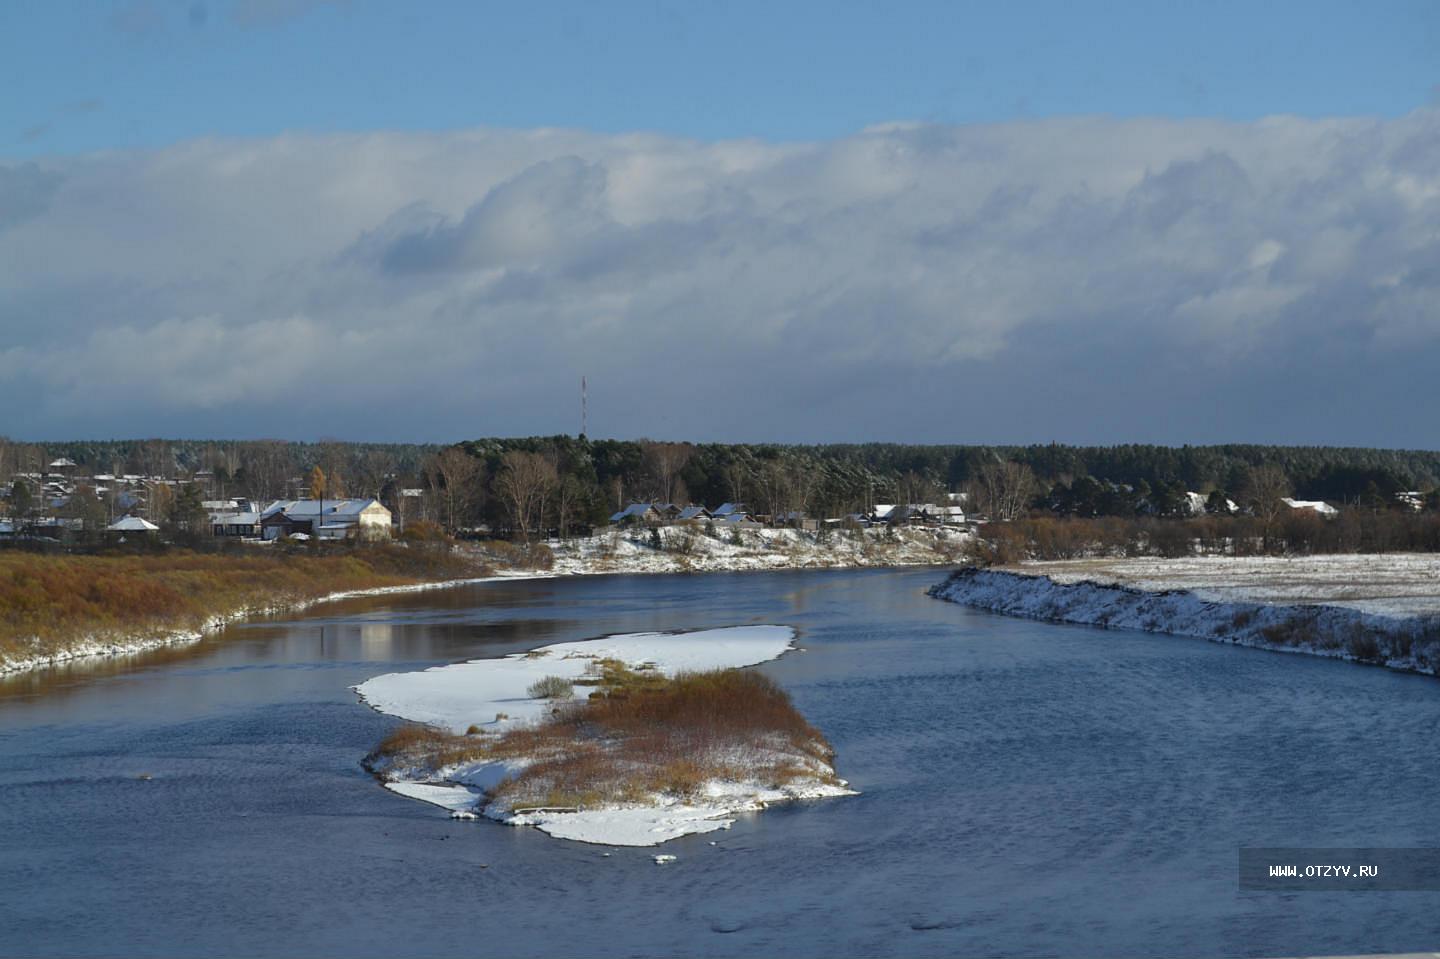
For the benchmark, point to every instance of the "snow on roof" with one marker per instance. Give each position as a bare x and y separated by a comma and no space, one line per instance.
634,509
1318,506
234,519
725,509
132,524
62,463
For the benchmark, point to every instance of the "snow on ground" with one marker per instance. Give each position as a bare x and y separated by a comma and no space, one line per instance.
1391,584
688,549
1314,607
492,693
461,694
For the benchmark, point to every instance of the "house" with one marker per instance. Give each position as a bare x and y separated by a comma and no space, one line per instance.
795,519
693,514
132,524
325,519
1319,506
227,523
726,509
637,514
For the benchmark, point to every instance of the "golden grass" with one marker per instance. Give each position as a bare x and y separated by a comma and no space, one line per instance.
49,603
638,734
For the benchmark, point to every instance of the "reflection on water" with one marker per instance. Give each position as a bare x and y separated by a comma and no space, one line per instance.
1028,789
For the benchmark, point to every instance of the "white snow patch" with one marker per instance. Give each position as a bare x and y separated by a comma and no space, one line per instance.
1229,614
473,693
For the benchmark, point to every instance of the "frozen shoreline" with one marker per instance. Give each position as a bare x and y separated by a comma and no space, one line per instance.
112,646
612,553
1261,611
466,695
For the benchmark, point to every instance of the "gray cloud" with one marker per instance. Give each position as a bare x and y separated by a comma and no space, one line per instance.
1079,279
25,192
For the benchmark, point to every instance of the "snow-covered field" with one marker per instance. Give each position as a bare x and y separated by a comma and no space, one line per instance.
1391,584
688,549
492,694
1375,609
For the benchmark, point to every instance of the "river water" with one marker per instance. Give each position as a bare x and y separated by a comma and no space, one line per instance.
1028,789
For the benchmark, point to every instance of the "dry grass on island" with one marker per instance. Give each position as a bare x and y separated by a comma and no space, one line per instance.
50,604
637,738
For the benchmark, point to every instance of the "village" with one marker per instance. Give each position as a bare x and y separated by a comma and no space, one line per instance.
60,503
63,502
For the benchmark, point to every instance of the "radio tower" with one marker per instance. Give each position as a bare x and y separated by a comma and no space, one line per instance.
584,408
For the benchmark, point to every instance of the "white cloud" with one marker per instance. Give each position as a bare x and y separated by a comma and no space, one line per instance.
455,284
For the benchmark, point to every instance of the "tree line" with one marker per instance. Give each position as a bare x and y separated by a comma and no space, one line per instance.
523,486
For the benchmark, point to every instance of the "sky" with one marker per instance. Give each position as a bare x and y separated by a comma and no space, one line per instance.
801,222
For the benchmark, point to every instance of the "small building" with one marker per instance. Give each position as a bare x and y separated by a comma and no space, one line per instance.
326,519
693,514
637,514
1319,506
235,524
132,524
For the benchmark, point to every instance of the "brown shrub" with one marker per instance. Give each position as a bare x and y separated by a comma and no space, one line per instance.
63,599
642,733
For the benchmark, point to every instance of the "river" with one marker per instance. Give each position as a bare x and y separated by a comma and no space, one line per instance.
1027,789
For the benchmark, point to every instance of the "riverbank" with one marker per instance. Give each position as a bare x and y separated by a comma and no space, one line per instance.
1380,610
629,740
686,549
56,609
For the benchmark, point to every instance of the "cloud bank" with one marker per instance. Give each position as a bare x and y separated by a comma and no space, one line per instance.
1083,279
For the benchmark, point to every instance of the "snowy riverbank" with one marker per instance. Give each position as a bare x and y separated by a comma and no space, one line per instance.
1372,609
119,643
488,697
684,549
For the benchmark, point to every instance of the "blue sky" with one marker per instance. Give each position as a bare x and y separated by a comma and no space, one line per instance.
925,222
143,73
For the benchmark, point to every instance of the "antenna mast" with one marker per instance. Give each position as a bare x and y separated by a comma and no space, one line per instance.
584,407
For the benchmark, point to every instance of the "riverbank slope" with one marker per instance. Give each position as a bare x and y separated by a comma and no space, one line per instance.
54,609
1382,610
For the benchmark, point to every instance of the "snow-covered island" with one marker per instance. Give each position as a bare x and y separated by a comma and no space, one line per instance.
1378,609
627,740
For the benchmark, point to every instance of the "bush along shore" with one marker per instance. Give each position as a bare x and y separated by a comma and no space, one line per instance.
1410,643
57,608
608,741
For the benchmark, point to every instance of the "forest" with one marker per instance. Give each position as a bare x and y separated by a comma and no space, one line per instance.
515,485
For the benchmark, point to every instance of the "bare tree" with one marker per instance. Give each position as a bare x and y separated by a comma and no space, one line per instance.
456,477
1002,491
266,464
665,461
371,470
737,478
568,496
524,482
1264,491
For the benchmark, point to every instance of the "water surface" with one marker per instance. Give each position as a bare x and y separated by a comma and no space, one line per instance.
1028,789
